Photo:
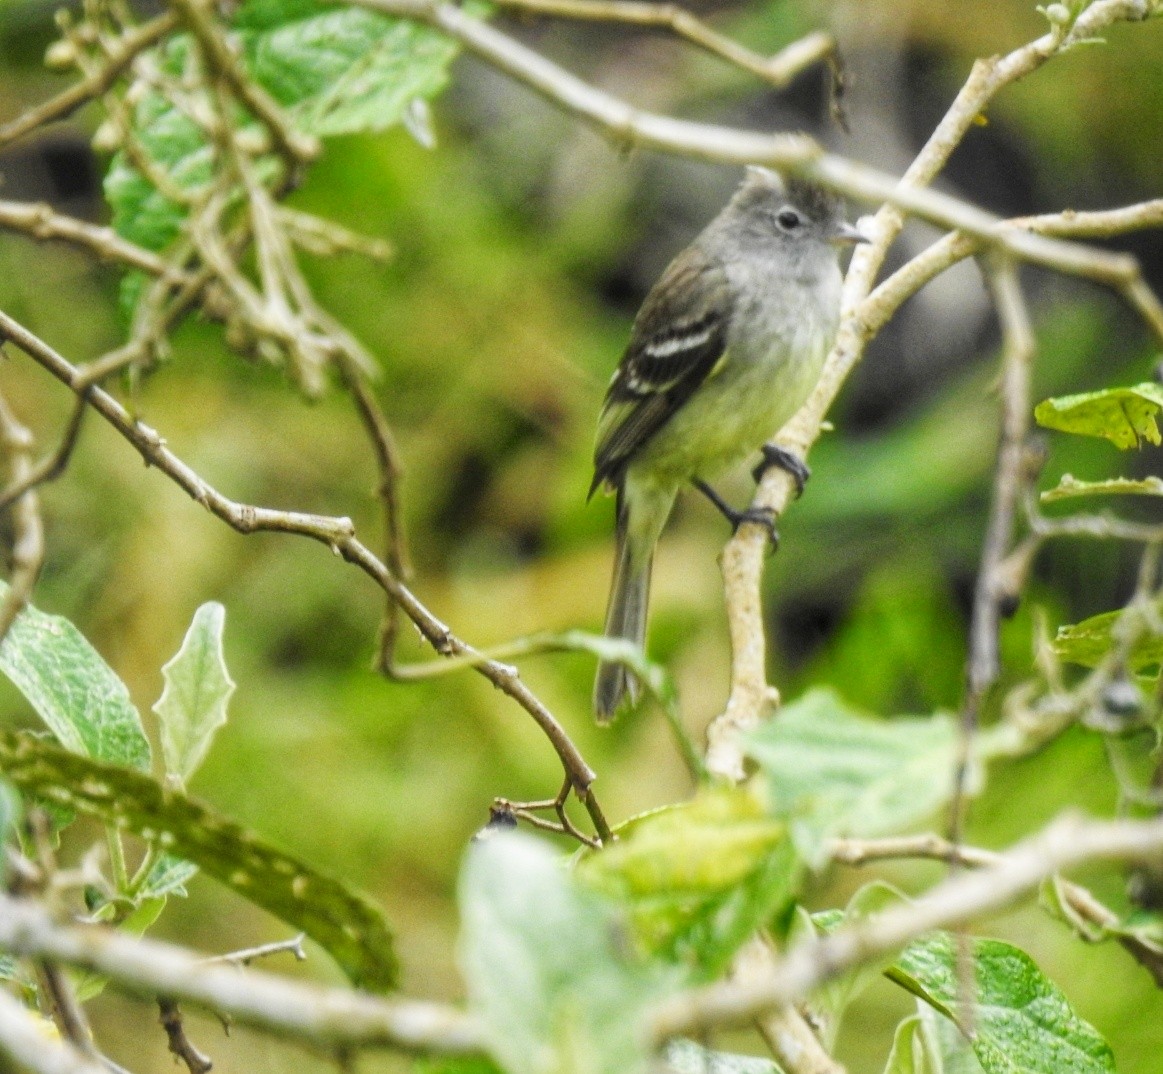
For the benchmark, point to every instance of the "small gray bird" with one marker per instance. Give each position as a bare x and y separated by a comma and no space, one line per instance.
726,348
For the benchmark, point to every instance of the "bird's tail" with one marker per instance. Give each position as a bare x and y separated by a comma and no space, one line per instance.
625,616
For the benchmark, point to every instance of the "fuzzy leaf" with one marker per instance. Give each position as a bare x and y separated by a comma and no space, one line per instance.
699,878
344,923
198,686
836,772
544,969
78,695
1022,1022
1124,416
335,69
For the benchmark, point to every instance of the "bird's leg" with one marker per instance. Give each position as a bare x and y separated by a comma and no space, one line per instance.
763,516
774,455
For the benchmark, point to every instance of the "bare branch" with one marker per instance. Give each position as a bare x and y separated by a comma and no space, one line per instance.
38,221
28,530
1078,899
1067,842
196,1061
778,70
198,15
325,1016
27,1041
93,84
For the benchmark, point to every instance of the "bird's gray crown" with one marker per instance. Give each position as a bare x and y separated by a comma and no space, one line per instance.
765,190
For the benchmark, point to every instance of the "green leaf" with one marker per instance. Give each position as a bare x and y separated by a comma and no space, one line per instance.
699,878
1022,1023
907,1054
1069,488
836,772
79,697
198,686
687,1057
338,69
1088,642
544,969
345,924
335,70
1124,416
168,876
943,1047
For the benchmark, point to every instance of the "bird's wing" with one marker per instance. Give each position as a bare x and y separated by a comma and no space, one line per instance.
679,337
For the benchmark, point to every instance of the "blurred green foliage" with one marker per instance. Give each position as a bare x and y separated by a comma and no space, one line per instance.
497,323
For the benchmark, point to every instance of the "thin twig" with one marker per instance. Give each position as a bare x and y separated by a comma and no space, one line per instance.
1067,842
778,70
391,472
94,84
40,222
293,945
198,15
28,530
337,533
51,466
170,1016
991,597
301,1011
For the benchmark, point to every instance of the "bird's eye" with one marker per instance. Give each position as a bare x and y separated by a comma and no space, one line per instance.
789,219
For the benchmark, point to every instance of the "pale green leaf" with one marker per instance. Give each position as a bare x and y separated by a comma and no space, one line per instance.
168,876
1069,487
943,1047
197,688
545,971
79,697
1124,416
335,69
1088,642
339,69
907,1053
699,878
836,772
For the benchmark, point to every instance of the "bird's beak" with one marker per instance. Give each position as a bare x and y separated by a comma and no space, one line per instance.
847,235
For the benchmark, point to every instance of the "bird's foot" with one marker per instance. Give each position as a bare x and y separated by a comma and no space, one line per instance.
761,516
789,461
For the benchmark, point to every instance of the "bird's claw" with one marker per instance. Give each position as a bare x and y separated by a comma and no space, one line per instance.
760,516
788,461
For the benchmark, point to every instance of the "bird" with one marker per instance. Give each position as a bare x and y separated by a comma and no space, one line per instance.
727,346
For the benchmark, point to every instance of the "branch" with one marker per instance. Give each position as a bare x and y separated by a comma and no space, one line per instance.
28,530
337,533
1067,842
295,147
778,70
800,155
27,1041
1080,901
93,84
990,597
39,222
323,1016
